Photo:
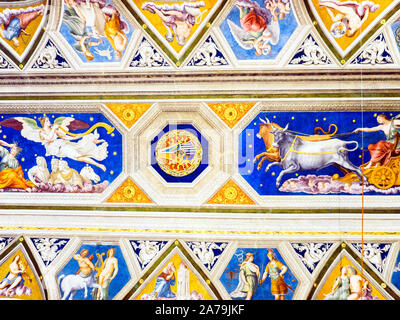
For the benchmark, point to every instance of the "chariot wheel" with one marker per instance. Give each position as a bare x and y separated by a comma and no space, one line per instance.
383,177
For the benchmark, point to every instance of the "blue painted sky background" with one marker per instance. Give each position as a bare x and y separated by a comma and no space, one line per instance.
31,149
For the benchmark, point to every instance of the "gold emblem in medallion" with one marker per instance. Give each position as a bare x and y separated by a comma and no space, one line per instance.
179,153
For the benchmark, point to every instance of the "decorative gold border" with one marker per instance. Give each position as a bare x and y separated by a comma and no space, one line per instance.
216,209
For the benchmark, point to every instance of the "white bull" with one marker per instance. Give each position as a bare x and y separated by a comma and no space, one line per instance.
297,154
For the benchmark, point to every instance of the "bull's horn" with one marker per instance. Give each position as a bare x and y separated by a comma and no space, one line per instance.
267,119
287,127
263,121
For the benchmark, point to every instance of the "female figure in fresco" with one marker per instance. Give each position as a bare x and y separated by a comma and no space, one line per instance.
248,278
96,19
58,143
276,270
382,150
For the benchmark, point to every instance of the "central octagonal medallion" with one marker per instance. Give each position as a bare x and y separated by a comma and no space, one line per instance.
178,153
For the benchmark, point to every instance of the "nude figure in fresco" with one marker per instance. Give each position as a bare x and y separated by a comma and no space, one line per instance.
15,278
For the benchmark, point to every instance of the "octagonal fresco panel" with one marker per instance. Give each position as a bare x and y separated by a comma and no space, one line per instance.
179,153
259,30
102,268
253,274
56,152
96,30
321,153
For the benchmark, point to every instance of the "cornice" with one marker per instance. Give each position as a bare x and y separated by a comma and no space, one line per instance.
239,84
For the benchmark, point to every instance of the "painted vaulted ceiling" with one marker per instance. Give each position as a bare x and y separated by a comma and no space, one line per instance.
148,117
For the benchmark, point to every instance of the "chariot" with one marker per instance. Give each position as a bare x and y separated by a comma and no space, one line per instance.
385,177
381,176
